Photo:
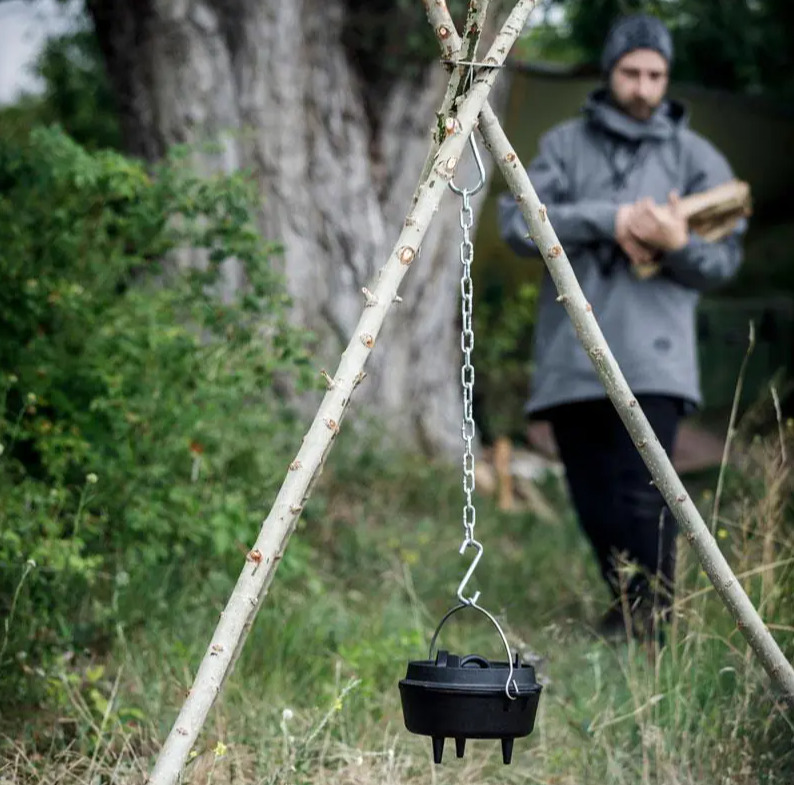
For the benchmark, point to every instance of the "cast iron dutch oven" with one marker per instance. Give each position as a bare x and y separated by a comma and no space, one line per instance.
469,698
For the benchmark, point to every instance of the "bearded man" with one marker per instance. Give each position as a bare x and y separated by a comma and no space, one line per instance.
611,180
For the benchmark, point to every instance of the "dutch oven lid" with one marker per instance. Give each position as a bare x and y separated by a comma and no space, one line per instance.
472,673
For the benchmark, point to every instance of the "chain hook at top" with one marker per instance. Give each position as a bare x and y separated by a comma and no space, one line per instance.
480,170
466,192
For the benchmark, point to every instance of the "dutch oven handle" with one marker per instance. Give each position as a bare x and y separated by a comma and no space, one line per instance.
511,682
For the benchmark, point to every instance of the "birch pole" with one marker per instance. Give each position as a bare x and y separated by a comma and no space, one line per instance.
261,561
653,454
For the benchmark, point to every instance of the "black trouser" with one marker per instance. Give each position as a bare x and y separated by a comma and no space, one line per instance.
619,510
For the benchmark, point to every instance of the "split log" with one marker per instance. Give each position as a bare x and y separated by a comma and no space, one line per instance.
712,214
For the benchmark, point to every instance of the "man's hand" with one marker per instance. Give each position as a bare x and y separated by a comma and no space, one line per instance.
638,252
663,227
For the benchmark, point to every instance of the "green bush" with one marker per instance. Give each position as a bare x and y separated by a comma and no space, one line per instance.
139,418
505,322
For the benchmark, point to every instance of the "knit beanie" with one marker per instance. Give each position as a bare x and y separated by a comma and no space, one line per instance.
638,31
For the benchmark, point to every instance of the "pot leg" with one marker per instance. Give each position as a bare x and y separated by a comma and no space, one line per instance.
507,750
438,748
460,746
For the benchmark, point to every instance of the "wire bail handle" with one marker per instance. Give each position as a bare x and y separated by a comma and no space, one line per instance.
510,682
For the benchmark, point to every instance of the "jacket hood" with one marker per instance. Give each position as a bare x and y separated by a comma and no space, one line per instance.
667,120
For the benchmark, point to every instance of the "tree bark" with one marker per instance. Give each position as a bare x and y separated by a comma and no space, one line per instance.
336,155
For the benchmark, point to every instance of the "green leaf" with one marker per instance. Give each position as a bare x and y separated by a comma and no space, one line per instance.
99,702
94,673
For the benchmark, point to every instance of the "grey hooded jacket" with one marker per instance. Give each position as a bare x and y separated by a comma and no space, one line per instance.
585,169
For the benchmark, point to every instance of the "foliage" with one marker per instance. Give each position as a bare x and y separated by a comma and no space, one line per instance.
76,94
141,421
392,35
504,323
736,46
390,40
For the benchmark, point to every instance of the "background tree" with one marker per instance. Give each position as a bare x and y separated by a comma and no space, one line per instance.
736,46
328,103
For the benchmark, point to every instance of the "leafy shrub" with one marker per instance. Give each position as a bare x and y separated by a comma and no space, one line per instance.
505,322
140,419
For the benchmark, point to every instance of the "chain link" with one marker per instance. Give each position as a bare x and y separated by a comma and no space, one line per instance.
467,369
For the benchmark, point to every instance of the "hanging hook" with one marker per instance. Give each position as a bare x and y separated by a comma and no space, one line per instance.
469,542
464,192
480,170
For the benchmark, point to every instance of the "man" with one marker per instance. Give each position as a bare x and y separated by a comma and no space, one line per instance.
610,180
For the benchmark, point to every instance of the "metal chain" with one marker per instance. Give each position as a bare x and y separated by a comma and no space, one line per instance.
467,369
467,372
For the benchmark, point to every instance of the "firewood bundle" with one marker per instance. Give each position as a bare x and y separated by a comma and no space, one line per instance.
712,214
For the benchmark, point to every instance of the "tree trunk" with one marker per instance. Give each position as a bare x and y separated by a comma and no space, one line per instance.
336,148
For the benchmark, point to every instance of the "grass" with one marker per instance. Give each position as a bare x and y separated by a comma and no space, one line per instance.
371,570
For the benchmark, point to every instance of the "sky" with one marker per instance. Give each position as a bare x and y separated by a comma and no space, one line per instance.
24,27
